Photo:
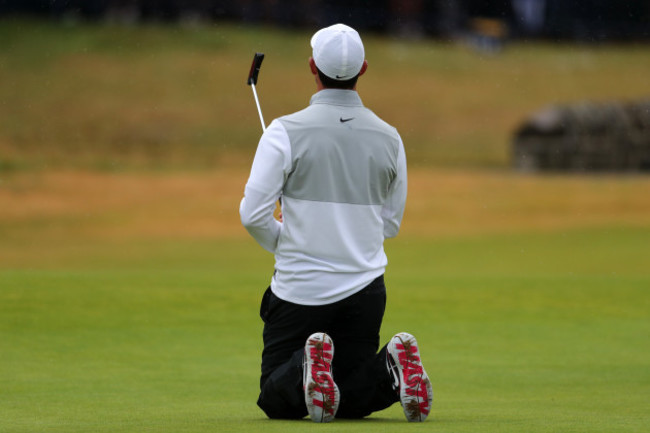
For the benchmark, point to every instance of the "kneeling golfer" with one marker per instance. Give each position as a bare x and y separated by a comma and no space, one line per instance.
341,173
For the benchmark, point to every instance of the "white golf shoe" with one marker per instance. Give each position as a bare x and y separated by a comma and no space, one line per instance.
321,393
405,367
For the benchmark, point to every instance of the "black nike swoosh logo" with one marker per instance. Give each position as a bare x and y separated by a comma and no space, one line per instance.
346,120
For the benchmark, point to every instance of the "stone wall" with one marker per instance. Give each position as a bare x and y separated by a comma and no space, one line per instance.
585,137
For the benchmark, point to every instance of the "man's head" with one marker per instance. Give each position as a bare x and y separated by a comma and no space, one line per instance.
338,56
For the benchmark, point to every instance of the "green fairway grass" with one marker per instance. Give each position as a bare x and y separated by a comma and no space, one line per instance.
518,333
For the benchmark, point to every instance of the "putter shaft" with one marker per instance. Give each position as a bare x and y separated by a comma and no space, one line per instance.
259,109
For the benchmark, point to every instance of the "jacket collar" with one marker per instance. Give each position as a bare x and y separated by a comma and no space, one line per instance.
337,97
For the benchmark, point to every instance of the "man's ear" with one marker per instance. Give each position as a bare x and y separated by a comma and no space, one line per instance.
363,68
312,66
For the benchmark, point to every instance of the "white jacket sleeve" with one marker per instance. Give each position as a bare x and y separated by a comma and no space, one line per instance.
269,171
393,209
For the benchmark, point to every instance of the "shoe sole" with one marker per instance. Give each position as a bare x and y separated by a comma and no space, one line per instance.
321,393
415,391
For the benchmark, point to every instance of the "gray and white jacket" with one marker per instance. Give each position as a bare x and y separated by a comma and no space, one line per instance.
341,173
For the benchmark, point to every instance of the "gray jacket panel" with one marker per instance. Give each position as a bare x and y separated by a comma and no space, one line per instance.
341,151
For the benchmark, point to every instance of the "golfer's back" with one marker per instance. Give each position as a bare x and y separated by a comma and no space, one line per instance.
344,159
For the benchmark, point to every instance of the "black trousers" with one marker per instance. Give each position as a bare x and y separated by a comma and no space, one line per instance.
358,370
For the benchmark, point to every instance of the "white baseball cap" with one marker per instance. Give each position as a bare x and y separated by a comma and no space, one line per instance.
338,51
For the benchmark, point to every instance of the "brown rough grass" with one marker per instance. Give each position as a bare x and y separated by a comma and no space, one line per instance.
461,202
73,204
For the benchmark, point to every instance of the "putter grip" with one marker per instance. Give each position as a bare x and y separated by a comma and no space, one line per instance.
255,68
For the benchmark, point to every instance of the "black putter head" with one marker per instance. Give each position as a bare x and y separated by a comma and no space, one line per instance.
255,68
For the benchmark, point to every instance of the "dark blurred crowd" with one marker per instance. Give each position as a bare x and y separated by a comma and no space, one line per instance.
588,20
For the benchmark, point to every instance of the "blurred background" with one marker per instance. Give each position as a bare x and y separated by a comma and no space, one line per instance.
96,96
532,84
589,21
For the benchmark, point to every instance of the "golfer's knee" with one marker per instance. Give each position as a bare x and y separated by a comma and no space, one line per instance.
276,410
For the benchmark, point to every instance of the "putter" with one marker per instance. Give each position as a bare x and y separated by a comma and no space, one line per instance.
252,81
